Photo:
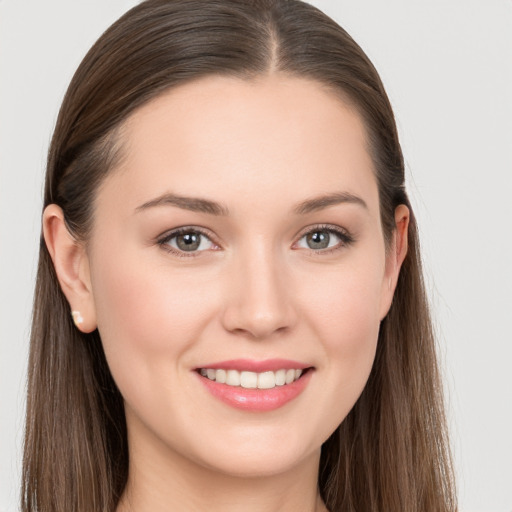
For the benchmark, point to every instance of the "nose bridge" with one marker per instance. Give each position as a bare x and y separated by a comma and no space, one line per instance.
258,301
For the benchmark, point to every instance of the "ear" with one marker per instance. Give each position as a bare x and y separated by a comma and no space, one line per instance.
395,257
71,266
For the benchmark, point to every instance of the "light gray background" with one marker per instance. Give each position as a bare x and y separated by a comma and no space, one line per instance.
447,66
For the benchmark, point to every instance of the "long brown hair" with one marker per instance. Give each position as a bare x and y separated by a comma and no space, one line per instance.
391,452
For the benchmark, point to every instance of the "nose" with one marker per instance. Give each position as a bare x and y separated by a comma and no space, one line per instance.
259,300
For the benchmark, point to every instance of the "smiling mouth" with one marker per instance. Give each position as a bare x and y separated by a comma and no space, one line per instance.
253,380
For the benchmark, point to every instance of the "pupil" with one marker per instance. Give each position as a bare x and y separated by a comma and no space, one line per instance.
318,240
188,241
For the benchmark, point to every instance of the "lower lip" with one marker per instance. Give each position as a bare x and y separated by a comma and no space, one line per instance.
257,400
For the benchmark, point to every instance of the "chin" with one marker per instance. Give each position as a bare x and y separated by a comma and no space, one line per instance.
260,453
261,465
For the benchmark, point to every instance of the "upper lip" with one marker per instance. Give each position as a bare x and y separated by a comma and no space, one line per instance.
250,365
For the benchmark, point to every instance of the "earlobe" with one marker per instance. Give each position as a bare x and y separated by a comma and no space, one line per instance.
396,256
71,265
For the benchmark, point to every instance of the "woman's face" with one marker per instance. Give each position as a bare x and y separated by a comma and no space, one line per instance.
239,239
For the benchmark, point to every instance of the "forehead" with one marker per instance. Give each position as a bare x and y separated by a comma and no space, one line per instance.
239,140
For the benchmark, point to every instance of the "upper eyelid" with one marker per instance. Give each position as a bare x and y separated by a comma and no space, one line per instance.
323,227
185,229
208,233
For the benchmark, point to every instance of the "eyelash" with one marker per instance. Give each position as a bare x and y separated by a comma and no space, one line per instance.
346,239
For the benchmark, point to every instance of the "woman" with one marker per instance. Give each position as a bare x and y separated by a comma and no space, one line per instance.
229,309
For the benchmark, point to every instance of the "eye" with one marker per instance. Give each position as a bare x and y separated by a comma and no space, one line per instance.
186,240
322,238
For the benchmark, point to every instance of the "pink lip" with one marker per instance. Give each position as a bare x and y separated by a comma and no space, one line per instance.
257,400
248,365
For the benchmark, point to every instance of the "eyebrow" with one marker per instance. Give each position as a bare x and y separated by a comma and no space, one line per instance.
201,205
194,204
324,201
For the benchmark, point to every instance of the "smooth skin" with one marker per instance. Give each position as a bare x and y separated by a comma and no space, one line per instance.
289,262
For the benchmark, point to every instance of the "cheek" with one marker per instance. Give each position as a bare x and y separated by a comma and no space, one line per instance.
348,308
352,340
147,315
347,320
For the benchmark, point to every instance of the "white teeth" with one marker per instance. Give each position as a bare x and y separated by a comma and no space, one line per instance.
249,380
252,380
280,377
233,378
220,376
290,376
266,380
